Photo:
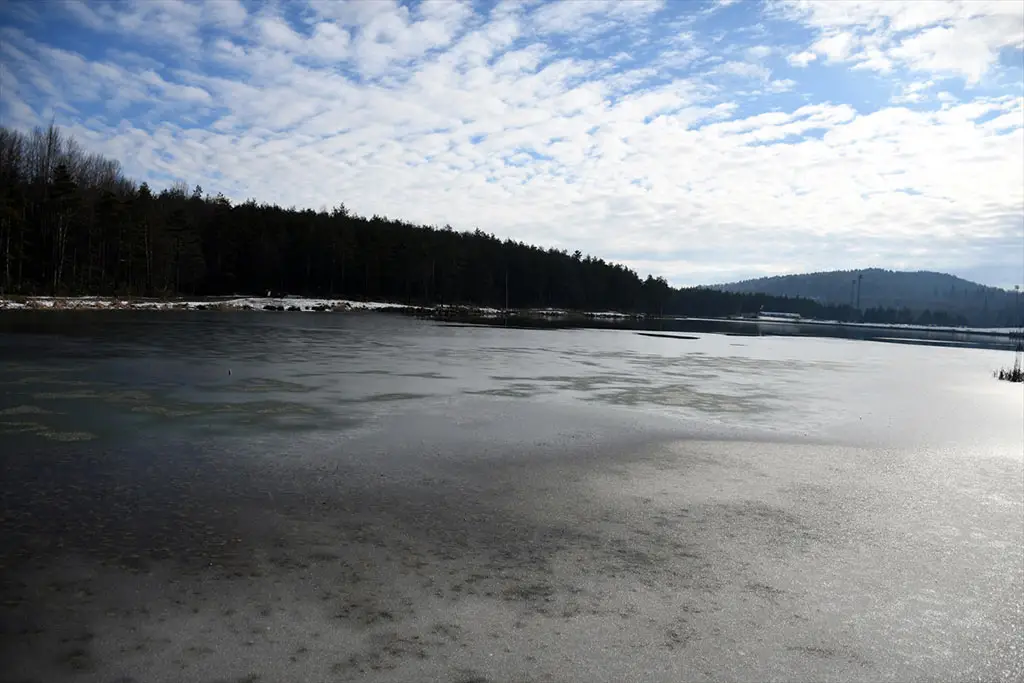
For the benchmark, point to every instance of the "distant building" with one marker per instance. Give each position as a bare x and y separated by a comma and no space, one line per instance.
774,314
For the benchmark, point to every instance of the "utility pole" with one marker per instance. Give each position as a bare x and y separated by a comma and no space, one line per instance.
1020,320
860,279
853,287
1018,352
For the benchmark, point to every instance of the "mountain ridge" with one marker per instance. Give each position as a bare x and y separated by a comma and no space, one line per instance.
874,291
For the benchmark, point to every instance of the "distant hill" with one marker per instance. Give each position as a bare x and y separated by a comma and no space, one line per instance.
894,291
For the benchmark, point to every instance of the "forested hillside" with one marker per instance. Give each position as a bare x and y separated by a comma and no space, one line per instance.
901,296
71,223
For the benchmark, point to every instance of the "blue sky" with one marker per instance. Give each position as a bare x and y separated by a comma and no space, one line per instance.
701,141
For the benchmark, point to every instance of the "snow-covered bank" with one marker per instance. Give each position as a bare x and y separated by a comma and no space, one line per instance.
95,303
286,303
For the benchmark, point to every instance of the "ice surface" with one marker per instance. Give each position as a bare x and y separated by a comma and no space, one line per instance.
841,323
378,498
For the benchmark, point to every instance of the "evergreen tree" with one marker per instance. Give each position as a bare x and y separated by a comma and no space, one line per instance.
71,222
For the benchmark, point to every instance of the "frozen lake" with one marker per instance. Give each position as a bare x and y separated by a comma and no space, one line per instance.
240,497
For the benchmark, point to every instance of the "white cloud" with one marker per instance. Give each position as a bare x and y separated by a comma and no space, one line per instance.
159,21
744,70
913,92
801,59
961,38
782,85
326,42
17,113
580,16
329,42
758,52
277,33
969,48
669,159
389,33
227,13
83,13
836,47
175,91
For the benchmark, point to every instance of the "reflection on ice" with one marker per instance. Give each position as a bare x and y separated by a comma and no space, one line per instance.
392,500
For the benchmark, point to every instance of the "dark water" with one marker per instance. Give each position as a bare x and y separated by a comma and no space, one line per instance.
977,339
209,496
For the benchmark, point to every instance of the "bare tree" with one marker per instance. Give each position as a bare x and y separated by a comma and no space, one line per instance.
12,161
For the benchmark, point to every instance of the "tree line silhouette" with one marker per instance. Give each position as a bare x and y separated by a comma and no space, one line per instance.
72,223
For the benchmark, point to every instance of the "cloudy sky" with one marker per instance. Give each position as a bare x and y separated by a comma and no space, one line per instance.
701,141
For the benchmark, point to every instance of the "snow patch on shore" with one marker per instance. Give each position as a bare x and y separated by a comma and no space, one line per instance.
94,303
281,303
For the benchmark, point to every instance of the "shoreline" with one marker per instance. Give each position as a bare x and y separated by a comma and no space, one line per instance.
292,304
988,331
223,303
444,312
